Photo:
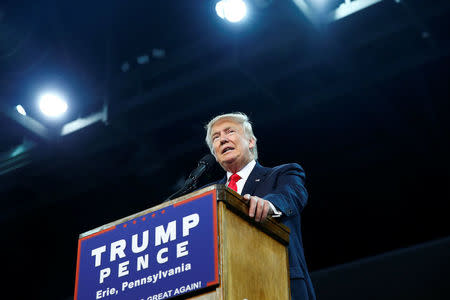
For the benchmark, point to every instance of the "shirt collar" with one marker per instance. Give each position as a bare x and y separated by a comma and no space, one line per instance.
245,171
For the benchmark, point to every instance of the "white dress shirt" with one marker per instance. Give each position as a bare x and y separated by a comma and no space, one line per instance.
244,173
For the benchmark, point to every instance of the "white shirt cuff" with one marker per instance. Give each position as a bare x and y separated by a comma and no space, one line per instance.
276,212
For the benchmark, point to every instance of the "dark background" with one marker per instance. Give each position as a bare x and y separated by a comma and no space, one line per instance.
362,104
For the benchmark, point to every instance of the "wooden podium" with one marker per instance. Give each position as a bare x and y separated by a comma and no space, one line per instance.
227,255
253,257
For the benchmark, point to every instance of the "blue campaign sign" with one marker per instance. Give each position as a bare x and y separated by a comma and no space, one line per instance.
156,255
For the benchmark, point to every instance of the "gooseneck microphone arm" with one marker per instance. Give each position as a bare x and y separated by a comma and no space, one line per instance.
191,182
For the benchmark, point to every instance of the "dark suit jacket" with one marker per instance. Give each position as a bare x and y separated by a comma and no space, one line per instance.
284,187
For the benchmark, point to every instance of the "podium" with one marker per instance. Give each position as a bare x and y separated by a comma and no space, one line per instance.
156,253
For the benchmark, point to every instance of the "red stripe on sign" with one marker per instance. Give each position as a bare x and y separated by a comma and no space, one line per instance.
214,214
216,257
75,295
194,198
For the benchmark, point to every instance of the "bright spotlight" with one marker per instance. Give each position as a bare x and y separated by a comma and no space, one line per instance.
52,105
21,110
220,9
231,10
320,4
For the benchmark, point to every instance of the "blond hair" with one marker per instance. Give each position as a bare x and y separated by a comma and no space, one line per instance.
239,118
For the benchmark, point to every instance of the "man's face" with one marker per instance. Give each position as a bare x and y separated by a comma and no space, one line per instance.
231,146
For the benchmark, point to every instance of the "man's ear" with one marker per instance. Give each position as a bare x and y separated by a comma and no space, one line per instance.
251,143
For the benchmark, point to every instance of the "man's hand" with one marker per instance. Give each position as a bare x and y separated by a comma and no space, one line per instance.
259,208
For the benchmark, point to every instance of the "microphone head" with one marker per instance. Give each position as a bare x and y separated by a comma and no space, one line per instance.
208,160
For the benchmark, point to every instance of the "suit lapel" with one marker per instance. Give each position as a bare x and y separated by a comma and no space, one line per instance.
256,177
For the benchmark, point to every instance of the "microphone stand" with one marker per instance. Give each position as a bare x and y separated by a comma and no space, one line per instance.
184,190
191,182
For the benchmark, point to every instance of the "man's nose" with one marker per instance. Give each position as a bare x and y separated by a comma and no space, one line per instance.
223,139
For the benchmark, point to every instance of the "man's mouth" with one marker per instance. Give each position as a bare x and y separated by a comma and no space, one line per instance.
227,149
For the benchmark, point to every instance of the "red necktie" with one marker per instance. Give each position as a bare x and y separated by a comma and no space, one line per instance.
233,179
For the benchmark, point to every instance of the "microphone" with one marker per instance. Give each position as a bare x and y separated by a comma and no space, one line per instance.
204,165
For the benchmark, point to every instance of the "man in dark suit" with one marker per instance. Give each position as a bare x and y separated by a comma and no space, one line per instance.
278,192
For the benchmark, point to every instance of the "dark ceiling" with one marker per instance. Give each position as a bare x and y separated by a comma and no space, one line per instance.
360,103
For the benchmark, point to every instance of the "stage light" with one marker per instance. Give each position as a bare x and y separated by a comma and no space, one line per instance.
220,9
21,110
320,3
52,105
231,10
